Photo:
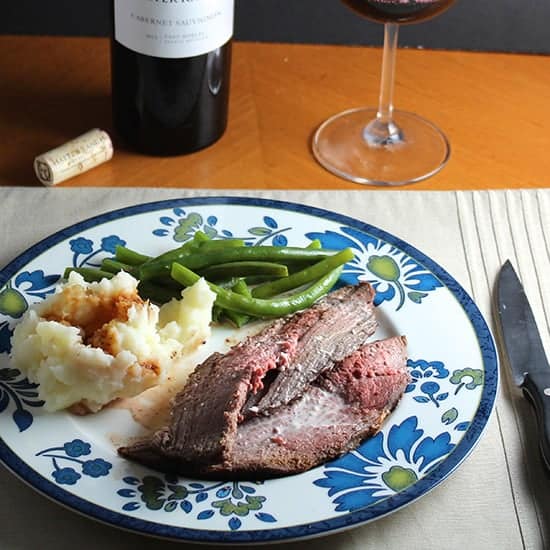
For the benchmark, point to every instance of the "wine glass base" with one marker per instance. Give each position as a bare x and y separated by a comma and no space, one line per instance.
340,146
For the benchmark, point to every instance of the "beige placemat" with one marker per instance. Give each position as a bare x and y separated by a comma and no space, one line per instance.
499,497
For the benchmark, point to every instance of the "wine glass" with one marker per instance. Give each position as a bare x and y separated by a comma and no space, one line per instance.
382,146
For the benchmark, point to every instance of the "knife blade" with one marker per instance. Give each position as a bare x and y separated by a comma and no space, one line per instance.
524,350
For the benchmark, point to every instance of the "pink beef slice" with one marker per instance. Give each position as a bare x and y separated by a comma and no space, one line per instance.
341,409
226,389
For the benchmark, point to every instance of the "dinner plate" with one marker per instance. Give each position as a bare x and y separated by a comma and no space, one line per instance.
73,460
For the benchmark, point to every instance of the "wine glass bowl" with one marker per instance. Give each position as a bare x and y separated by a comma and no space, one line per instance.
398,11
381,146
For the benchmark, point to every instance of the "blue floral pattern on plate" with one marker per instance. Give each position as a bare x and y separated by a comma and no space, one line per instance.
71,453
384,466
17,389
182,225
393,273
234,500
84,250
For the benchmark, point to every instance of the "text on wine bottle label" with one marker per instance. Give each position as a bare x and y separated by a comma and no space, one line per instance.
175,28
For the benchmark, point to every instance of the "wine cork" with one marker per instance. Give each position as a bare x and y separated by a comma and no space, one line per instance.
75,157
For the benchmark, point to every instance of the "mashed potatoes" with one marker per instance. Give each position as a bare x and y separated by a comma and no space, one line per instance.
91,343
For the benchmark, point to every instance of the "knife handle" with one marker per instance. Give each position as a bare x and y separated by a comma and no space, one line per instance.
536,386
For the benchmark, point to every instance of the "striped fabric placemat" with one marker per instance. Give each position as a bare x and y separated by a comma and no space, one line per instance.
515,226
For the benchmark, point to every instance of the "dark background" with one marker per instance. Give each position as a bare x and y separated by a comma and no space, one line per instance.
489,25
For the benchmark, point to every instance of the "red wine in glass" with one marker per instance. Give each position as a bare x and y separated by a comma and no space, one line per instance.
398,11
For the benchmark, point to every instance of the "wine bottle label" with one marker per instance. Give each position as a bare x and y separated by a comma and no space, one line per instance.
173,28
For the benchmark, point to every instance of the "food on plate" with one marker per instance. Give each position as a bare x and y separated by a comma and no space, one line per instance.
91,343
100,337
334,414
306,389
250,282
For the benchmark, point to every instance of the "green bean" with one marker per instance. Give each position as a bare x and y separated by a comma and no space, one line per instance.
130,257
238,319
192,245
112,266
170,256
90,274
218,244
197,261
228,283
149,271
276,307
165,259
240,287
199,238
251,280
242,269
315,245
218,314
254,253
311,273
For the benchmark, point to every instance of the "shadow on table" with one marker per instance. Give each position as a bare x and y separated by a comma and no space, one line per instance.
534,476
34,121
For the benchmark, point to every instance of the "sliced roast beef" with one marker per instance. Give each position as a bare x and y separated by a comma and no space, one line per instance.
340,329
337,412
224,389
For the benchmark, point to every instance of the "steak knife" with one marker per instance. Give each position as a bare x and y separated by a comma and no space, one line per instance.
524,350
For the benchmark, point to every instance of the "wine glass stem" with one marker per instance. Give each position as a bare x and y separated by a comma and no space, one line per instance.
382,131
385,103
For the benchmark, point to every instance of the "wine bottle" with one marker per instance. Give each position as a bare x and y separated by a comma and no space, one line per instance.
170,71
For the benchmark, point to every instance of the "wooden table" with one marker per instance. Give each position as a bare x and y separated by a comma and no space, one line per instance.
493,107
